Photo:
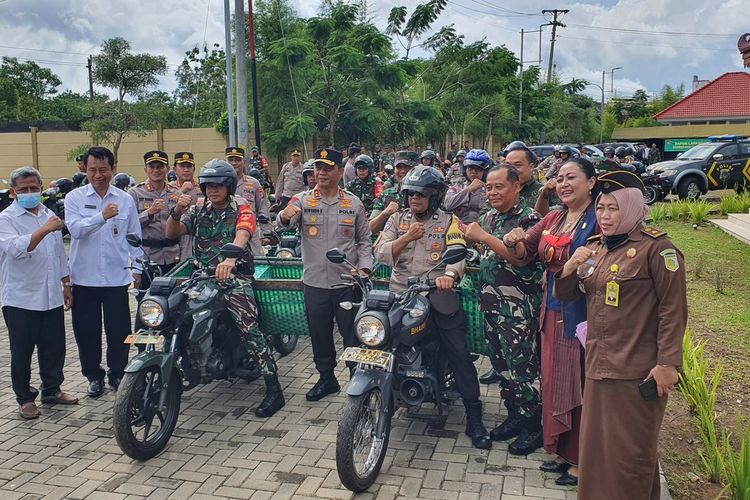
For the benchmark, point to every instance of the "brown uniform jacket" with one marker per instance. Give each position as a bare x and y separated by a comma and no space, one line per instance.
645,327
290,180
186,241
251,190
418,257
325,223
155,244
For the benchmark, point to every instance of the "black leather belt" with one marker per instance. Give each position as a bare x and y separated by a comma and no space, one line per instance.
159,243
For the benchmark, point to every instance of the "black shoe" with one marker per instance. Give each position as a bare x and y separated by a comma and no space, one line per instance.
527,442
273,400
96,388
566,480
115,383
322,388
475,429
510,428
490,377
553,467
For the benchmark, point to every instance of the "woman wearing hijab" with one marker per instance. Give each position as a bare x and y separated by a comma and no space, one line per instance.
552,241
633,279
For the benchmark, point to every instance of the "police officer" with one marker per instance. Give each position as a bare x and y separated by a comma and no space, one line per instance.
455,173
223,219
365,185
428,158
251,191
289,182
510,299
565,153
412,242
308,175
467,199
79,178
154,199
185,183
390,200
328,217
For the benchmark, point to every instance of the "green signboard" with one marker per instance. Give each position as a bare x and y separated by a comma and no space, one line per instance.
680,145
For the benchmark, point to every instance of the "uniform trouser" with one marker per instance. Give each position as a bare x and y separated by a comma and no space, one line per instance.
514,354
321,306
44,330
452,332
241,304
88,304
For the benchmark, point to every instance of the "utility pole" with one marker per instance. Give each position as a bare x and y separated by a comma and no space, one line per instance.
91,79
601,114
253,74
555,23
241,63
229,79
520,78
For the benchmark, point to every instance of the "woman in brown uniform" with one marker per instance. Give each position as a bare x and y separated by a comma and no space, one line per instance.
634,281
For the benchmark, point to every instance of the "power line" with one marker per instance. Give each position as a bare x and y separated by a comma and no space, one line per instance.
636,44
43,50
505,9
494,25
58,63
649,32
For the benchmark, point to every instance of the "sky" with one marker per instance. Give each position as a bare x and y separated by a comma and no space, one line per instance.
656,42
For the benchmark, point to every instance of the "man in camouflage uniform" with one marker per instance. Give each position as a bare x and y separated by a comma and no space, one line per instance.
290,181
251,191
510,299
222,219
154,199
184,168
365,185
455,174
389,200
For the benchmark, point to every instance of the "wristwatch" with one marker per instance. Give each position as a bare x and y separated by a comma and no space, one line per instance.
173,215
452,274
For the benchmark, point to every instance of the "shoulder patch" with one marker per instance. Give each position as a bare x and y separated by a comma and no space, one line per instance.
653,232
596,237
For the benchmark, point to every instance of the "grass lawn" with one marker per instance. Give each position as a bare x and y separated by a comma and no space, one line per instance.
718,279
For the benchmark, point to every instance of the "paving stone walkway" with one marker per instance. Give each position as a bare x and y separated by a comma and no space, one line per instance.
221,450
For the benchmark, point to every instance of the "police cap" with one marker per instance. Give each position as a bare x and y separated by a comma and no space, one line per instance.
184,157
156,155
619,179
235,152
329,156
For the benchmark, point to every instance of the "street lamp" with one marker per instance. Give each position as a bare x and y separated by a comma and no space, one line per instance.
612,80
601,109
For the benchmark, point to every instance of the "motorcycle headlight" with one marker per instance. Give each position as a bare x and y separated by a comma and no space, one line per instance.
370,331
285,253
151,313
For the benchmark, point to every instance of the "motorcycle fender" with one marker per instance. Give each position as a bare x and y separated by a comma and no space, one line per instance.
162,360
367,379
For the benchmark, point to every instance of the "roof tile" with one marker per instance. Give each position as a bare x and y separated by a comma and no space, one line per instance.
726,96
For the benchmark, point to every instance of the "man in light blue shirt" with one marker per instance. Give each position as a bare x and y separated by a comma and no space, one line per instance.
35,287
99,216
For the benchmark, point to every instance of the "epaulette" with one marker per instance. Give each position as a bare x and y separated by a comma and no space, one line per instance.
653,232
594,238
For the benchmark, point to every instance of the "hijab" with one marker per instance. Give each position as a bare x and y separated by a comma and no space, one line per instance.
632,213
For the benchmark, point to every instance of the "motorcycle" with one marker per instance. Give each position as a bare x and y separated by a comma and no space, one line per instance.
399,366
653,189
6,199
189,338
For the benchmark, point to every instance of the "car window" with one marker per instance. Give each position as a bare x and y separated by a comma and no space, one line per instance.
699,152
745,149
729,151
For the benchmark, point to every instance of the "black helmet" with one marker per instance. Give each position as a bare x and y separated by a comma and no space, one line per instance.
218,172
410,158
64,185
364,161
78,179
567,149
460,152
623,151
121,180
388,169
307,170
609,150
428,153
171,176
513,146
255,173
426,180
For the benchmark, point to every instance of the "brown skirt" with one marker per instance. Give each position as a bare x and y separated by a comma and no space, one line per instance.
562,377
619,436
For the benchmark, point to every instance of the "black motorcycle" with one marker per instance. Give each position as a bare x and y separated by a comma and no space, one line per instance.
189,338
653,190
399,366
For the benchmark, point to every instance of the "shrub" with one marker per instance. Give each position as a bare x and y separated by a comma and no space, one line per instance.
699,211
737,473
675,210
658,213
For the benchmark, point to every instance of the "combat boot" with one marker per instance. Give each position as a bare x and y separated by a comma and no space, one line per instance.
274,398
529,439
510,428
475,429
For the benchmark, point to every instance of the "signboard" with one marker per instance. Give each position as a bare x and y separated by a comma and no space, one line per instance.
680,145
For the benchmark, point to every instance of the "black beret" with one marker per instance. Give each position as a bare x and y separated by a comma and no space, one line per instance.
619,179
329,156
156,155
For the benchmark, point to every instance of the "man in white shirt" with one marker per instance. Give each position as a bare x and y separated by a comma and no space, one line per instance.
99,216
36,287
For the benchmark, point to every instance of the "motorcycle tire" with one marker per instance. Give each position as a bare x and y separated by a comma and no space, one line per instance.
650,195
359,454
135,413
285,344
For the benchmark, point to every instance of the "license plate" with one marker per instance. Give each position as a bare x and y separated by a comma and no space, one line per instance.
155,340
366,356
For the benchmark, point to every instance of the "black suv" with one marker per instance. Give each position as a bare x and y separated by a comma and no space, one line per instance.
721,163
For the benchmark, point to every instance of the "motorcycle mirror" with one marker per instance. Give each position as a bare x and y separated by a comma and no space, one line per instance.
336,256
232,251
272,199
262,219
133,240
472,255
346,306
454,254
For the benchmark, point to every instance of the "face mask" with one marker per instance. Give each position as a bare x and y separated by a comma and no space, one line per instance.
29,200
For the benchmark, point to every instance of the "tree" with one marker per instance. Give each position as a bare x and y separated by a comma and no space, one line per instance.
23,87
419,22
201,85
130,75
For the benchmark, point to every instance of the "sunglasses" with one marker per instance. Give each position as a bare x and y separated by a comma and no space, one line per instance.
416,194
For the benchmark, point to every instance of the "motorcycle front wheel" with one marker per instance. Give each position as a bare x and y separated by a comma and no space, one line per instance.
359,453
650,195
141,429
285,344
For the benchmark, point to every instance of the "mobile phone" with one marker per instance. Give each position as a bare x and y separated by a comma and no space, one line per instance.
648,391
